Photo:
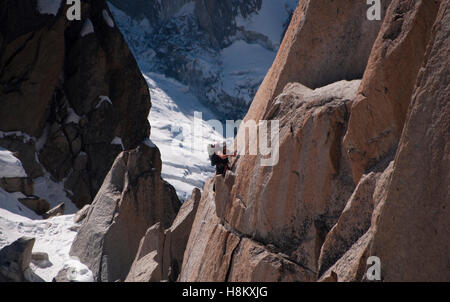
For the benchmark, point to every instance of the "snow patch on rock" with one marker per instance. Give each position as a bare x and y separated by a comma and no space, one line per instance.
53,236
88,28
54,192
49,7
118,141
77,271
72,117
10,166
103,99
107,18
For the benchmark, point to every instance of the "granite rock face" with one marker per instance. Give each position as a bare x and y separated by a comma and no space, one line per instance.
297,205
132,198
327,41
304,219
380,108
161,251
415,219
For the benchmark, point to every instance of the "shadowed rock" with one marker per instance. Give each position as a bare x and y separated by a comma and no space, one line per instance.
68,95
133,198
15,260
161,252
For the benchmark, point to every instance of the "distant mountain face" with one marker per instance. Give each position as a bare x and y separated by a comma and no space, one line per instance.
220,49
66,90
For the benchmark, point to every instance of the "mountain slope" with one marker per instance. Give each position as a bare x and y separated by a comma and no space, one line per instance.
220,49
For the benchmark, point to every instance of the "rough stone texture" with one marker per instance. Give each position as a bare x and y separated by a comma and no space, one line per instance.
147,267
379,109
295,203
351,267
81,214
15,260
52,80
217,252
39,257
354,224
38,205
289,207
210,247
17,184
133,197
415,219
263,266
56,211
177,237
327,41
161,252
263,218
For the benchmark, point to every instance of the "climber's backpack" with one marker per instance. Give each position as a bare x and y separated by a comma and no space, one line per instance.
215,159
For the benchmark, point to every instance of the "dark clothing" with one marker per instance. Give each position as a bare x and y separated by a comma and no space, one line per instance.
221,164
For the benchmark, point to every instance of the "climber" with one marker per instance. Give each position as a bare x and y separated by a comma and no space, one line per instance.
219,159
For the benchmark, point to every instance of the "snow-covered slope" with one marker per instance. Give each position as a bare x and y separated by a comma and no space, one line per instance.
53,236
221,53
182,144
187,72
10,166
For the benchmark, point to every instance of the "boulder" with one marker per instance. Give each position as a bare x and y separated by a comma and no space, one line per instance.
56,211
217,252
161,252
252,262
147,266
18,184
41,260
74,271
379,110
38,205
15,260
39,256
81,214
133,197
